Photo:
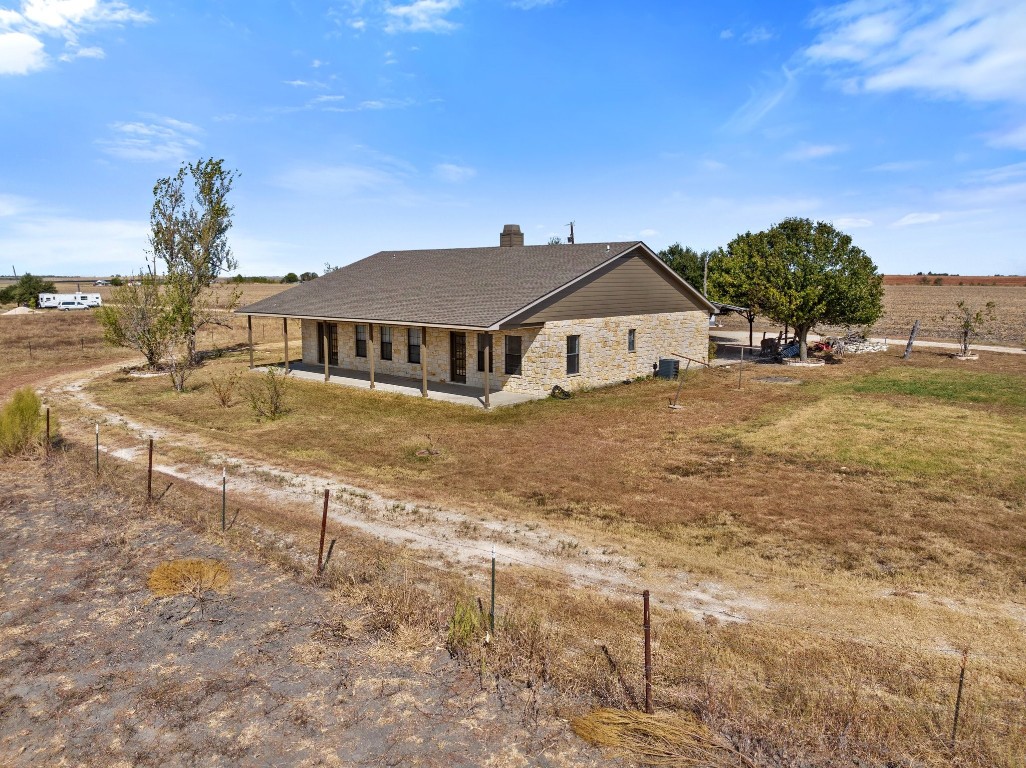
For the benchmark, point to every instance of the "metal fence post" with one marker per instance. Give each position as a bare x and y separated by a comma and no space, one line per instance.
649,709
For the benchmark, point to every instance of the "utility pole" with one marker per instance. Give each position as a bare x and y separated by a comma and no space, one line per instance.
570,240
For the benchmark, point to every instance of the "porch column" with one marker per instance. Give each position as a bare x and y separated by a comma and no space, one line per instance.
370,351
423,361
324,344
249,328
285,332
487,365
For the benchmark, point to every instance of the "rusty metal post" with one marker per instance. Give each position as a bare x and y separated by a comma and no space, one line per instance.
648,656
324,527
47,431
149,474
249,331
958,697
487,364
285,332
491,614
224,498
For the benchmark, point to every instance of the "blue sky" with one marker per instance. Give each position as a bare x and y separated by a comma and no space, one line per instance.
363,125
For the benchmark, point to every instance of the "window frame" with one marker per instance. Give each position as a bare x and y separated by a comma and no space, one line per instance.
573,358
514,360
361,344
386,346
411,355
632,340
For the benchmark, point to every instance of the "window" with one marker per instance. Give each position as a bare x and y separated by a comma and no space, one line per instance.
573,354
413,345
361,341
513,355
386,342
484,341
632,337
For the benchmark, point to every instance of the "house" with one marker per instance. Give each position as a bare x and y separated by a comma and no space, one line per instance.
509,318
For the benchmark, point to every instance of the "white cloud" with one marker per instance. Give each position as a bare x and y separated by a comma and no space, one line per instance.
726,34
846,222
916,218
1013,138
421,16
93,52
898,166
757,35
53,244
454,174
164,139
22,46
341,180
970,49
526,5
813,151
648,233
778,88
713,165
20,53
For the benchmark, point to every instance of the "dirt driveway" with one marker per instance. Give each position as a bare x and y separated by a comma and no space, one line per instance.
98,672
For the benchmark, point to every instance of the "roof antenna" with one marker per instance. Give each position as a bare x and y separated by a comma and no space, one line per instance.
570,240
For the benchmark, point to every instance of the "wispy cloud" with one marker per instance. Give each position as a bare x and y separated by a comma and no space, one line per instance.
648,233
527,5
969,49
910,219
726,34
757,35
814,151
161,139
852,222
898,166
776,89
454,174
24,32
1012,138
421,16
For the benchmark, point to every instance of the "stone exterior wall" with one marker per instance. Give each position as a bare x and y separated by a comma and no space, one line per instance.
604,358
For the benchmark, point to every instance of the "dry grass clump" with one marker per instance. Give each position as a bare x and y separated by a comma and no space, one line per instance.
191,576
657,740
21,423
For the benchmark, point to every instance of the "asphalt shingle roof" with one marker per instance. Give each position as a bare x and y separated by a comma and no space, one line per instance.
474,287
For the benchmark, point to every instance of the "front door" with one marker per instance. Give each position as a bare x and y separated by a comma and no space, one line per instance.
458,356
332,330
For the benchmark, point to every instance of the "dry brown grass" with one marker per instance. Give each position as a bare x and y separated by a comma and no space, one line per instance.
189,576
875,569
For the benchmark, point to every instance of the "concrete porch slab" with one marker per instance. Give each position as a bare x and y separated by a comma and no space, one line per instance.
457,394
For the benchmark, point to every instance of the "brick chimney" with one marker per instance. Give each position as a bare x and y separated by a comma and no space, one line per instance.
511,236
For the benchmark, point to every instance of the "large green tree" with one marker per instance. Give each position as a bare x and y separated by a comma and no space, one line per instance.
804,274
26,290
686,262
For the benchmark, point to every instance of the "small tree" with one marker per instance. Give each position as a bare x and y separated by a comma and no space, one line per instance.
134,317
306,277
21,422
971,322
291,277
191,238
732,277
555,240
267,394
26,290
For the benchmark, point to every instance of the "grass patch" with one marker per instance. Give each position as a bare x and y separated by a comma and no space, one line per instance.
946,385
911,441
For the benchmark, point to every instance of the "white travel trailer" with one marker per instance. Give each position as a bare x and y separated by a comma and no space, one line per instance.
53,300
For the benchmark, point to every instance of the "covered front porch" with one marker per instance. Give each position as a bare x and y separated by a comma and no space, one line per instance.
458,394
430,362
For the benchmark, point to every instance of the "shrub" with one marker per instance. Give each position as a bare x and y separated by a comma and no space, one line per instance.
267,395
21,423
712,351
224,388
